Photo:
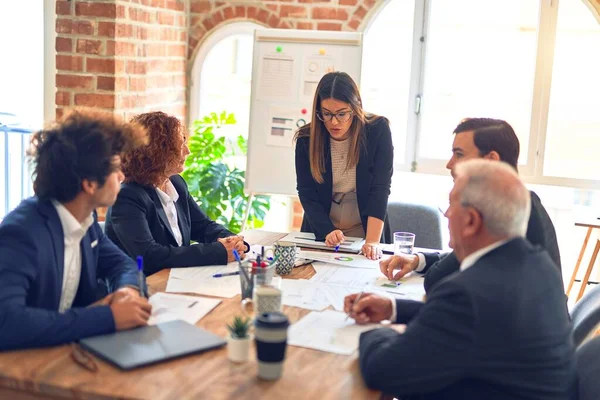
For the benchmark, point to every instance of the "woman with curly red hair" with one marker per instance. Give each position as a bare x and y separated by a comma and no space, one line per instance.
154,215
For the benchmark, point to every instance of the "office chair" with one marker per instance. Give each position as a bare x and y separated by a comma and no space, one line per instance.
422,220
585,316
588,369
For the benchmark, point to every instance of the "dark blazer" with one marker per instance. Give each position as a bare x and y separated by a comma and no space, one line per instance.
499,330
31,278
540,231
373,180
138,224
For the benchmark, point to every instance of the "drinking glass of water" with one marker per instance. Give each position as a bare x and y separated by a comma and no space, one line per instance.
403,243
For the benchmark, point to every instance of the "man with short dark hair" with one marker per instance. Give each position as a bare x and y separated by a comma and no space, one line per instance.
497,329
52,250
491,139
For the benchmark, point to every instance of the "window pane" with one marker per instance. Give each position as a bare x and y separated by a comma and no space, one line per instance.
480,62
225,79
386,68
572,138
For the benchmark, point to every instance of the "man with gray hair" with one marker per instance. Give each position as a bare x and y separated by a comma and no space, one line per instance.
497,329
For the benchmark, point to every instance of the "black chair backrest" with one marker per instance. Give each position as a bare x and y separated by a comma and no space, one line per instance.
585,316
588,370
422,220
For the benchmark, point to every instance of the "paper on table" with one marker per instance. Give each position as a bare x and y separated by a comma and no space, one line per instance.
261,238
345,260
347,277
327,331
200,280
294,291
169,307
410,285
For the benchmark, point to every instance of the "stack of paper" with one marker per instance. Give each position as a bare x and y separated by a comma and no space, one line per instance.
169,307
200,280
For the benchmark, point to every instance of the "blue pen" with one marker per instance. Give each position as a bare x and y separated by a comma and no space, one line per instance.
140,265
226,274
337,248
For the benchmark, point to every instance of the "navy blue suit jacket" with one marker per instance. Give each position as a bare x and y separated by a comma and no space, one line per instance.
138,224
31,278
373,180
499,330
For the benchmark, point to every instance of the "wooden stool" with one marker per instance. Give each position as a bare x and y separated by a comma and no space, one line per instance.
591,225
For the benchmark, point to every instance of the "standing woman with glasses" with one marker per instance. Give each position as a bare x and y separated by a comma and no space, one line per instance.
344,165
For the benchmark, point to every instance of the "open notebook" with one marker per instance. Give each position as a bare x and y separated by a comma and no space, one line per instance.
305,239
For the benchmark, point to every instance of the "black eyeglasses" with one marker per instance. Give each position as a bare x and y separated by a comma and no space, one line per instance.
342,116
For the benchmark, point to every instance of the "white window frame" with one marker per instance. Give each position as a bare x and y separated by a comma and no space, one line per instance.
211,41
532,171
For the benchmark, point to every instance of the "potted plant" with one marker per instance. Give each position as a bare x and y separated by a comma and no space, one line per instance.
213,179
238,341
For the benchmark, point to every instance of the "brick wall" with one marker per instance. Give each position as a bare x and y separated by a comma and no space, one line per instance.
123,55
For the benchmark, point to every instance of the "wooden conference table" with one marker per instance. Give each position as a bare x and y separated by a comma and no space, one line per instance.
51,373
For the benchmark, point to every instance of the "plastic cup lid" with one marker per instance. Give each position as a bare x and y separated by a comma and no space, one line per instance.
271,320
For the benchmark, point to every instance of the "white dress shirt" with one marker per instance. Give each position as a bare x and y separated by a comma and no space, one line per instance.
466,263
168,200
73,232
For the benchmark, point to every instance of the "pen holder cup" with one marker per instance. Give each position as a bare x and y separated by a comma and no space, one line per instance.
285,254
257,288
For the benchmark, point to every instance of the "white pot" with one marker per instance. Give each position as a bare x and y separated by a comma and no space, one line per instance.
238,349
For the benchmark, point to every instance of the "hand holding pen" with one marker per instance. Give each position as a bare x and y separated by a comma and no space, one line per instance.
335,238
367,307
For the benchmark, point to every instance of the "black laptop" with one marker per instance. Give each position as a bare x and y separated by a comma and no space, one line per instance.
151,344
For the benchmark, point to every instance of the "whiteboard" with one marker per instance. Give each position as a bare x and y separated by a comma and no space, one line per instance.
286,69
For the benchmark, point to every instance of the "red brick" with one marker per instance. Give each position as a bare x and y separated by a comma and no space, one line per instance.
329,26
106,29
297,222
369,3
166,19
177,50
208,24
123,30
168,35
240,12
109,49
354,24
59,113
62,98
229,13
252,11
293,11
192,43
182,36
105,83
125,49
272,7
74,81
174,5
263,15
360,12
329,13
121,11
201,7
273,21
100,65
157,3
96,9
217,18
63,7
64,25
136,14
69,63
64,44
131,101
297,207
284,25
348,2
304,25
83,27
137,84
136,67
314,1
89,46
180,21
95,100
120,67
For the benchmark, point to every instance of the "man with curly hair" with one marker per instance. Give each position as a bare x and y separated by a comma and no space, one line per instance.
52,250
